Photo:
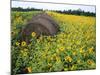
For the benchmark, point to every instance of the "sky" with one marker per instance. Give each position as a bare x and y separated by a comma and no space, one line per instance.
49,6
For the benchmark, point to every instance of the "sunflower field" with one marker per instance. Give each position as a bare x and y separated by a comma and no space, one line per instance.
73,48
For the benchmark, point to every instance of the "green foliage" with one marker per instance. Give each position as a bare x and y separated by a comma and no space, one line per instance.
73,48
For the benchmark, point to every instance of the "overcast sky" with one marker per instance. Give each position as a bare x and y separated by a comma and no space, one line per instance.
52,6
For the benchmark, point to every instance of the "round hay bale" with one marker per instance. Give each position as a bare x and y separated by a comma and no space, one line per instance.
41,24
47,17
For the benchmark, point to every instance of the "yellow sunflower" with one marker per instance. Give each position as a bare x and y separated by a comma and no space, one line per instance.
61,48
90,62
90,50
23,43
33,34
68,58
17,43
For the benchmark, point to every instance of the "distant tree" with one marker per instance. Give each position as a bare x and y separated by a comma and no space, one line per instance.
74,12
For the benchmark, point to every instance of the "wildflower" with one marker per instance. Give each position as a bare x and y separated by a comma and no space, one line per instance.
24,54
33,34
61,48
68,58
29,69
23,43
90,62
17,43
90,50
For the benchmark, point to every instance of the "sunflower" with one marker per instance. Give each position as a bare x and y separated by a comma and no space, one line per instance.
23,43
61,48
68,58
33,34
90,50
89,62
17,43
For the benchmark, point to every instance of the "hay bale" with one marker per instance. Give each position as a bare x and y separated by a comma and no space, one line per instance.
41,24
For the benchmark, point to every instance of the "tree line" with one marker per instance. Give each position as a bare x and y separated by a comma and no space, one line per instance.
74,12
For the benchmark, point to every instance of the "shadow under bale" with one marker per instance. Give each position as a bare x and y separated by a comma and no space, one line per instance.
41,24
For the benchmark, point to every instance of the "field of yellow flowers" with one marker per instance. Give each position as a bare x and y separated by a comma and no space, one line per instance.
73,48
